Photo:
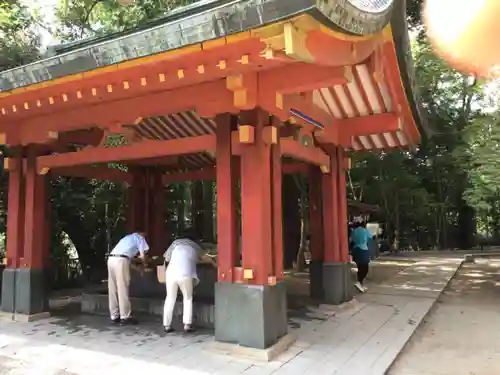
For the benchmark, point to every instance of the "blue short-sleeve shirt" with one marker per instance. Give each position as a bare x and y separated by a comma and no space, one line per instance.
131,245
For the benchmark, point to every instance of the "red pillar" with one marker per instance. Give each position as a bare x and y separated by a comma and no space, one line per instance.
342,193
226,201
277,210
256,180
331,212
147,204
47,234
15,214
35,254
315,214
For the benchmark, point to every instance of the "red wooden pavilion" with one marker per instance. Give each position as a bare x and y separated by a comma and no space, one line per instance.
228,90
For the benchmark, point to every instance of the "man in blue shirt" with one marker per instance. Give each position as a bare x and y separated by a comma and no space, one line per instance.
360,236
119,275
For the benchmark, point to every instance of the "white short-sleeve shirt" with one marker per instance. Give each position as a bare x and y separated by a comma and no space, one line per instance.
131,245
182,257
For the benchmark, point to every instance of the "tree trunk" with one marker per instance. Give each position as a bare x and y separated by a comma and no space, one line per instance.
466,226
208,208
304,230
197,208
181,215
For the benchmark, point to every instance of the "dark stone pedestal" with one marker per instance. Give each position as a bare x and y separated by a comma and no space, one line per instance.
316,279
337,283
146,285
8,290
23,291
2,267
250,315
349,285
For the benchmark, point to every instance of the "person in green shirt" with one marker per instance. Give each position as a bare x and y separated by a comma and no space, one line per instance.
358,241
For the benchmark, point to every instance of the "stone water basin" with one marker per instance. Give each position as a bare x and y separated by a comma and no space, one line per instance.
147,297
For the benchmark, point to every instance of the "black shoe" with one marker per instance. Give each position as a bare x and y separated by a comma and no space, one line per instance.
129,321
188,329
168,329
115,321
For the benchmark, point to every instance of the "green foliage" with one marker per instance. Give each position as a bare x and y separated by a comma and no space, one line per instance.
83,18
414,10
425,196
18,41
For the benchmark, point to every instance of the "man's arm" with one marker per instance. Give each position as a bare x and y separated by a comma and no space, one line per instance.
168,254
208,259
143,248
203,256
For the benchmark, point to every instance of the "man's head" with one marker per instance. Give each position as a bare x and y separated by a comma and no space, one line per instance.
140,231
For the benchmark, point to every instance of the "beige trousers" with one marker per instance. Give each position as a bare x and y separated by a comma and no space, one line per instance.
118,283
185,284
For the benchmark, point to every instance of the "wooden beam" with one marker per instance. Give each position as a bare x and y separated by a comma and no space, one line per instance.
341,131
198,175
91,172
35,136
374,124
142,150
114,174
87,137
127,110
294,168
302,77
163,161
312,155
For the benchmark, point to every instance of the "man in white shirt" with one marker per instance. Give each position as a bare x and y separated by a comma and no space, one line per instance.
182,257
119,275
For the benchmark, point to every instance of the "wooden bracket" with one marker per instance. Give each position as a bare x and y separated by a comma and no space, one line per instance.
347,163
244,88
246,134
270,135
295,44
271,280
43,171
248,274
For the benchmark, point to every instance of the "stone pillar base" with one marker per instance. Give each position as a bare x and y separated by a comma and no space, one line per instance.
349,285
316,280
23,292
337,283
253,316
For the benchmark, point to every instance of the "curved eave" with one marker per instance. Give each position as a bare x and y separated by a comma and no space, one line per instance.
402,43
211,20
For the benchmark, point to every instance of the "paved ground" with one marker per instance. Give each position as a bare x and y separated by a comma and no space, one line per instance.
460,336
361,338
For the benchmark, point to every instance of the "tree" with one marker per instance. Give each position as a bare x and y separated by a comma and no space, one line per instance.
18,42
85,18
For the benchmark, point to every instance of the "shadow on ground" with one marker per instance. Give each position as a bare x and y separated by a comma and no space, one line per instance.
461,333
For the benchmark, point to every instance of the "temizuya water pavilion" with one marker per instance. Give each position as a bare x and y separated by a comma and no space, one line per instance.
230,90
